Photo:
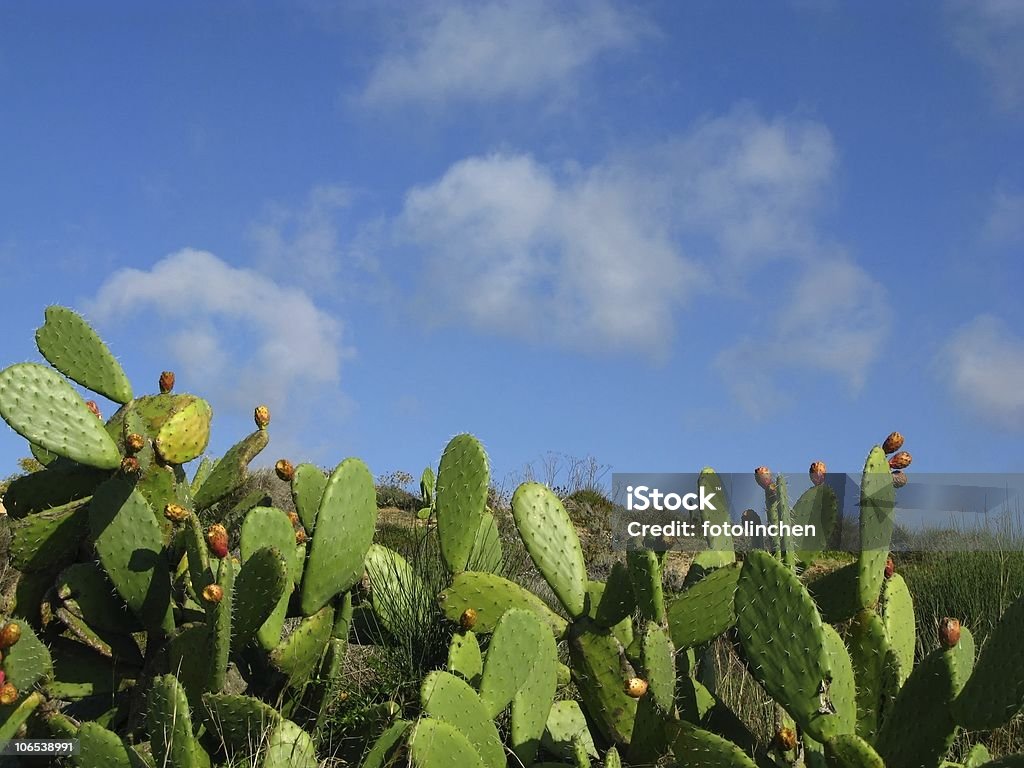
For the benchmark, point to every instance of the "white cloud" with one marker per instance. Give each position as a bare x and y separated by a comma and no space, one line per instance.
834,319
991,32
304,243
496,49
984,366
239,335
1005,224
578,259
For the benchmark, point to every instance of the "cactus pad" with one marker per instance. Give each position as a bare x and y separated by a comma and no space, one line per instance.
43,540
510,657
490,596
170,726
298,654
697,748
600,670
308,486
899,621
532,702
28,661
450,699
877,511
461,498
186,433
706,609
567,725
261,583
230,470
851,751
436,744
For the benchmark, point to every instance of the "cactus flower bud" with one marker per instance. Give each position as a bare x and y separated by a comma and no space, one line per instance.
166,382
763,476
899,478
785,739
893,443
213,593
293,518
217,539
91,405
9,635
300,536
175,513
284,470
901,460
636,687
817,472
134,442
468,619
949,632
890,568
262,416
8,694
130,465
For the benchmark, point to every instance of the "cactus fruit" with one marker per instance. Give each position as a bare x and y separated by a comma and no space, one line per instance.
899,478
166,382
901,460
468,619
300,537
763,476
9,635
785,739
134,442
890,568
175,513
261,415
91,405
293,518
949,632
817,472
636,687
217,540
892,443
130,466
213,593
284,470
8,694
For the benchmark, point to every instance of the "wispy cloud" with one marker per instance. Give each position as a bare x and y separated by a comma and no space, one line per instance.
234,332
991,32
304,242
496,49
1005,223
983,363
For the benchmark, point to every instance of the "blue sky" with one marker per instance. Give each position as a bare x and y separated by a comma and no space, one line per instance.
663,234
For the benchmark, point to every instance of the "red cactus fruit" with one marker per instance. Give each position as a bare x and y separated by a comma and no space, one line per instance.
262,416
91,405
9,635
468,619
217,539
901,460
636,687
284,470
893,443
134,442
213,593
130,465
817,472
8,694
166,381
763,476
949,632
890,568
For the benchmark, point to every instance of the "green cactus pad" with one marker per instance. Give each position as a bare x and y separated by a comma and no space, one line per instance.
200,571
977,757
464,657
42,455
436,744
510,657
231,470
261,583
898,618
202,472
659,663
323,690
13,716
192,669
241,722
60,483
613,601
924,700
995,692
601,671
28,661
551,540
819,507
782,637
706,609
42,407
344,531
386,750
130,546
269,527
186,433
42,541
461,501
697,748
219,618
645,576
851,751
308,486
298,654
565,726
490,596
486,554
869,652
99,747
877,512
427,483
79,671
289,747
532,702
88,593
450,699
842,690
71,346
720,548
835,594
394,586
170,726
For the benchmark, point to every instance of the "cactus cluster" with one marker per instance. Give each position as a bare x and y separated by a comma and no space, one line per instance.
160,624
